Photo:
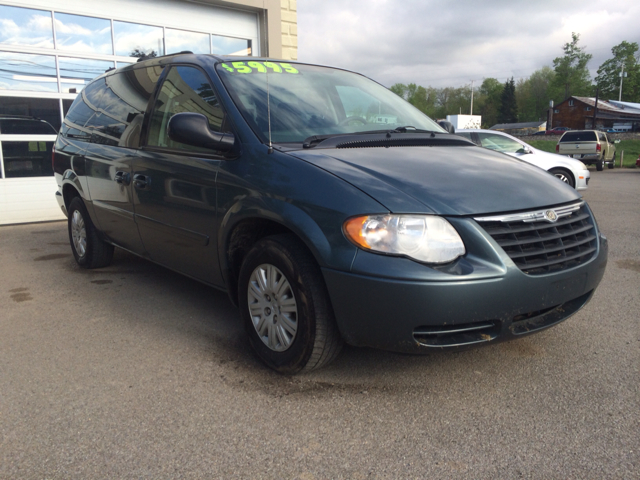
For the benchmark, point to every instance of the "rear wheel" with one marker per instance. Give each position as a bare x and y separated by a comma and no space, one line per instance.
285,306
89,250
600,165
563,175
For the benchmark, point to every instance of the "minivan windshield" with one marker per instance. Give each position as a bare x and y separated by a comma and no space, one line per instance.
307,100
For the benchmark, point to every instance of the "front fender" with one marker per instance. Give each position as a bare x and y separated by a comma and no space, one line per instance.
326,246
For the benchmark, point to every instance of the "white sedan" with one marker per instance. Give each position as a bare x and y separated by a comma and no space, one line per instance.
569,170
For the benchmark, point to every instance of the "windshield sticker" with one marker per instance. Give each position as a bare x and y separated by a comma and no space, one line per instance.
259,67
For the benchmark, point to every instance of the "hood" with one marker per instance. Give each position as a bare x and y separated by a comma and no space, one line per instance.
446,180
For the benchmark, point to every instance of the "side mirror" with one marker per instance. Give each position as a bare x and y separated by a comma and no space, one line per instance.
193,129
448,126
617,140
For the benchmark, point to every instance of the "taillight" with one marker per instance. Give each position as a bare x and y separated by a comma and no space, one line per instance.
557,148
598,147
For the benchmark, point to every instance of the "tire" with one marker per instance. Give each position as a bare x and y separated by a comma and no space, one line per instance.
285,306
89,250
563,175
612,163
600,165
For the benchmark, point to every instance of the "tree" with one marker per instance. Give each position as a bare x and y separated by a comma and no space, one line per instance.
139,53
488,101
533,95
571,73
420,97
608,79
508,112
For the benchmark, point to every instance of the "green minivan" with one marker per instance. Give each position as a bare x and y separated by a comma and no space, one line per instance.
328,208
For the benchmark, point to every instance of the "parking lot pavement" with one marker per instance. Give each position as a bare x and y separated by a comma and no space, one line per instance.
133,371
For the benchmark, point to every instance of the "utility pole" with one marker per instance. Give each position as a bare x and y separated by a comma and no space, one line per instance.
471,98
622,75
595,109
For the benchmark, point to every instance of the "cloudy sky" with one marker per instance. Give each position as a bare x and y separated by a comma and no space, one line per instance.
449,43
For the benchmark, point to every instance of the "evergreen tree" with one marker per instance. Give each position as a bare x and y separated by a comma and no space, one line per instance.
571,73
608,78
508,112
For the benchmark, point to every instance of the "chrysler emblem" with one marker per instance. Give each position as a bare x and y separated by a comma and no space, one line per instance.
550,216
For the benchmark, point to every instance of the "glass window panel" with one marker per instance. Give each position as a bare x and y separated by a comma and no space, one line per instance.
66,104
83,34
123,64
47,109
24,71
24,26
27,159
181,40
76,73
79,112
119,101
25,126
500,143
135,40
185,89
230,46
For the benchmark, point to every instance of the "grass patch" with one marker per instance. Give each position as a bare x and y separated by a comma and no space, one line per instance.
544,145
631,150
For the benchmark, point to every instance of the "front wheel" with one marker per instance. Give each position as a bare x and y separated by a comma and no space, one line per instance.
89,250
285,306
563,175
612,163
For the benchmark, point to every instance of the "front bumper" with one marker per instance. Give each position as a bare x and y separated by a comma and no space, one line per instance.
582,179
422,316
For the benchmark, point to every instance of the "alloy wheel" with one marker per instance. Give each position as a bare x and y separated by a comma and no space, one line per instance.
78,233
272,307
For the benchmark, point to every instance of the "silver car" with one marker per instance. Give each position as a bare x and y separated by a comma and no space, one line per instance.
569,170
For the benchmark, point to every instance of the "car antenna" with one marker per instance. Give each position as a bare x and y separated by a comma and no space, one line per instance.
264,22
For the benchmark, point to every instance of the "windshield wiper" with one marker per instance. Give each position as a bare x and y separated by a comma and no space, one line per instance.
316,139
412,129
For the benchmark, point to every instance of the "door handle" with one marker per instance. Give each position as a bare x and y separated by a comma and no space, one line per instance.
141,181
122,178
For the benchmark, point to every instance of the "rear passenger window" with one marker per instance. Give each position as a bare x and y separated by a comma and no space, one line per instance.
185,89
111,109
579,136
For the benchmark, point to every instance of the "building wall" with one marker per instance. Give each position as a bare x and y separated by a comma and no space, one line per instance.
579,116
289,29
43,66
572,116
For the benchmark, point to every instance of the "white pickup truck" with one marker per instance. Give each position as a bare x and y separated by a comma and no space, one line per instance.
589,146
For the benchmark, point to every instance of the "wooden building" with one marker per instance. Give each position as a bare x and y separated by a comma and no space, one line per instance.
577,113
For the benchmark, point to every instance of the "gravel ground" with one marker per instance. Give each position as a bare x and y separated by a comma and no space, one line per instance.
133,371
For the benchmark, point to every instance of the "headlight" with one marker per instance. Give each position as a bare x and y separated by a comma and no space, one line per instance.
425,238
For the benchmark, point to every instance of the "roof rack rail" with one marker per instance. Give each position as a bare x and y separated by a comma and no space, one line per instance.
148,57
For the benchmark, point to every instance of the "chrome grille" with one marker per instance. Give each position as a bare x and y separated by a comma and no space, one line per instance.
538,245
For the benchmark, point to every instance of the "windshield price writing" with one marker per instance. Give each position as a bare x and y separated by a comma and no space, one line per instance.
259,67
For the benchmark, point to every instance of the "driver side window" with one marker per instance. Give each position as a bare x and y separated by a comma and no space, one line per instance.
500,143
185,89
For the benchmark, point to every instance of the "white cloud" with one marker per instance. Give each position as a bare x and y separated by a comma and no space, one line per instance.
450,43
